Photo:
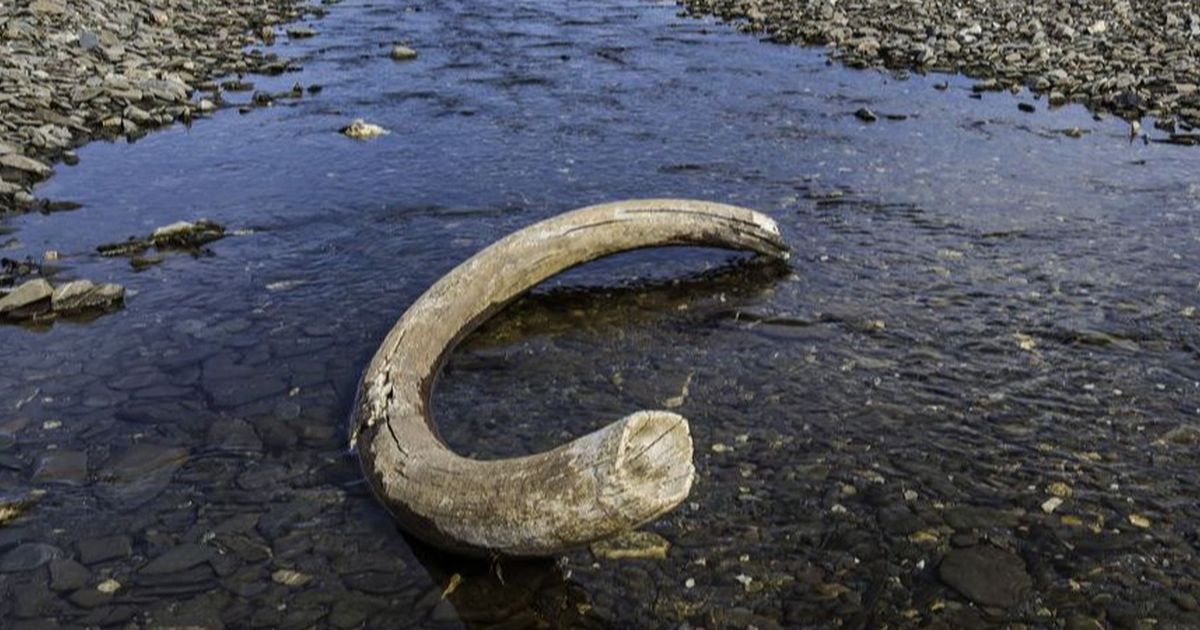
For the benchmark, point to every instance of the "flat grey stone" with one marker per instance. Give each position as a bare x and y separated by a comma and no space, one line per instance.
178,559
61,466
986,575
67,575
28,556
29,293
95,550
26,164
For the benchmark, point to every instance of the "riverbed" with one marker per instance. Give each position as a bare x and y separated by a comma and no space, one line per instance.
971,399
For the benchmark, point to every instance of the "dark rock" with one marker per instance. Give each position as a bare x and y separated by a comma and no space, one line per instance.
1184,434
28,556
67,575
233,435
866,115
964,517
178,559
90,598
182,235
986,575
94,550
60,466
139,474
1026,107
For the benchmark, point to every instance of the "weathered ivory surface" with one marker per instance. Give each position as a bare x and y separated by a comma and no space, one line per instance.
599,485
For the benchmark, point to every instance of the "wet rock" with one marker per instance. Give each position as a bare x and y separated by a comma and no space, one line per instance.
82,295
25,296
637,544
1184,435
233,435
90,598
28,556
866,115
14,504
301,32
986,575
363,130
95,550
1080,622
179,559
403,53
288,577
181,235
21,163
62,466
139,474
965,517
67,575
237,85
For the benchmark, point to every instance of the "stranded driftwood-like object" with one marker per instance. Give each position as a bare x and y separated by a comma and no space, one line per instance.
594,487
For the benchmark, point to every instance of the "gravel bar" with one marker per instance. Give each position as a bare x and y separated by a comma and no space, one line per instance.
75,70
1131,58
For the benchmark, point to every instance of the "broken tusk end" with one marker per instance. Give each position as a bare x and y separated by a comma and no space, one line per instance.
655,461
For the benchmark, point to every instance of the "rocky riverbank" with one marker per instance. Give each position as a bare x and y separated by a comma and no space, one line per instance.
1134,58
76,70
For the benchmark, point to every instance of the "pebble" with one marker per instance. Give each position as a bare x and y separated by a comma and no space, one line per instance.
632,545
1102,54
73,70
288,577
866,115
403,53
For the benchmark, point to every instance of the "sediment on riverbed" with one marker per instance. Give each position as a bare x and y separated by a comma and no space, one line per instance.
75,70
1132,58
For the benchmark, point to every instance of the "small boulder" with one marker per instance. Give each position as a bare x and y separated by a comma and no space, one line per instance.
83,294
363,130
866,115
986,575
21,163
403,53
26,295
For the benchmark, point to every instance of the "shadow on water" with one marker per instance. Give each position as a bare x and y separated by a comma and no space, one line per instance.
531,593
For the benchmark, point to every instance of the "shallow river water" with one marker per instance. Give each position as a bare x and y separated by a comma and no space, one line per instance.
982,318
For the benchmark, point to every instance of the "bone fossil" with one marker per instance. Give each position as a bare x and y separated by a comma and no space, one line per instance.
596,486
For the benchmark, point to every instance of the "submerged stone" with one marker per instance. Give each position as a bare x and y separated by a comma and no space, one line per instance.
986,575
28,556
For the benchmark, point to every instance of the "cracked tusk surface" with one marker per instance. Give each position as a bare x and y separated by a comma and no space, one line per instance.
599,485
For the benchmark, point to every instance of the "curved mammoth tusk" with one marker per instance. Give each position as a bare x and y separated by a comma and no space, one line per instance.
596,486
